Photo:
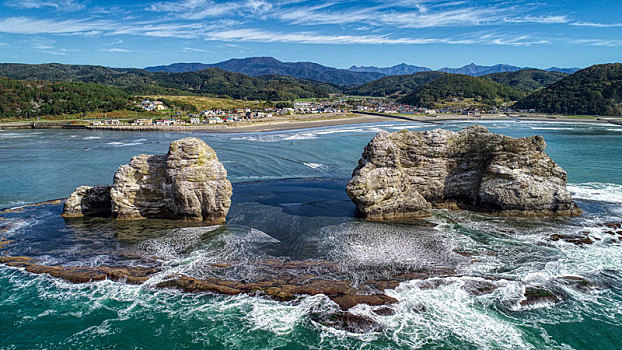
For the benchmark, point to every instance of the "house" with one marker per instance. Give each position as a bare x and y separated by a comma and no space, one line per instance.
159,105
195,120
214,120
153,105
143,122
111,122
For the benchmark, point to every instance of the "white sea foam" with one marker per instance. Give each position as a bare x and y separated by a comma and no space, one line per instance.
91,138
449,312
123,144
14,135
281,318
309,134
313,165
301,136
551,128
596,191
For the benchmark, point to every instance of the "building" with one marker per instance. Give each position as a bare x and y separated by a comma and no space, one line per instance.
153,105
143,121
214,120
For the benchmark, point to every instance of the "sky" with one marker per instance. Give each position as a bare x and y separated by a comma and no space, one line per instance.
340,33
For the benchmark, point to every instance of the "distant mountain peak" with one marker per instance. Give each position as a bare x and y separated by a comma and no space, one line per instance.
399,69
355,75
256,66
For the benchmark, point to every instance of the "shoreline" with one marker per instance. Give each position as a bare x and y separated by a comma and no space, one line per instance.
304,122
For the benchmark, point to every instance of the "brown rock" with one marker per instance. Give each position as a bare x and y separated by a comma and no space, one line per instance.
346,302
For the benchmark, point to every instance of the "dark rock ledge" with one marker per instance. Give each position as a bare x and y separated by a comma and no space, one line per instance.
282,289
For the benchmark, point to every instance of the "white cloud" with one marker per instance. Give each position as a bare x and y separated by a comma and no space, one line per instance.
61,5
116,50
599,42
597,25
193,49
193,30
410,14
258,35
27,25
539,19
201,9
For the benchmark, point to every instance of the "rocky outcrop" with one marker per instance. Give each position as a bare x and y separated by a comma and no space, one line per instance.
88,201
405,174
187,183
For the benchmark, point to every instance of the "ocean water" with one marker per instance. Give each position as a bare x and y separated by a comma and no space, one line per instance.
289,203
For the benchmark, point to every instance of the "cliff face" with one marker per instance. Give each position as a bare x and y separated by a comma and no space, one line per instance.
188,183
405,174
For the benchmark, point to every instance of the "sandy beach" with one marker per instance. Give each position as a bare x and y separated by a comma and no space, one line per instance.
306,121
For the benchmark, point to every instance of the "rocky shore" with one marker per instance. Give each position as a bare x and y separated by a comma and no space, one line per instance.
403,175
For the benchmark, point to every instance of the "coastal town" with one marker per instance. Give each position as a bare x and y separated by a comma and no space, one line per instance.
217,116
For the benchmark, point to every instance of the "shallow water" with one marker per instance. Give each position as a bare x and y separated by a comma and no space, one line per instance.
307,218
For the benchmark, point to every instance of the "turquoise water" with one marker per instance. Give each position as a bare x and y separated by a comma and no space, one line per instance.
309,218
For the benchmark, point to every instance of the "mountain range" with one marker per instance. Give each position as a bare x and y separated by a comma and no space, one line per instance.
53,88
400,69
255,66
353,76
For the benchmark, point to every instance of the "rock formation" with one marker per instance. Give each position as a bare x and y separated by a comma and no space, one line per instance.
188,183
405,174
88,201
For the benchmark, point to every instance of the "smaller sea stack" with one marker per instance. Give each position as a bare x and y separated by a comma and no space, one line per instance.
404,174
188,183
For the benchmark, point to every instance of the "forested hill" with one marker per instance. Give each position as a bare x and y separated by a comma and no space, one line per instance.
526,80
455,86
210,81
596,90
38,98
396,85
75,73
221,83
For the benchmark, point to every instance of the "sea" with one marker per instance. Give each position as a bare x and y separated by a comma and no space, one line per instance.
289,204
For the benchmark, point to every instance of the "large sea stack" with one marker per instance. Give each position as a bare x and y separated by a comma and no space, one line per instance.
187,183
403,175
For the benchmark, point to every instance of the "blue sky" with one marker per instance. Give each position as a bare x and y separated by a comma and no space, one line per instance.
432,33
